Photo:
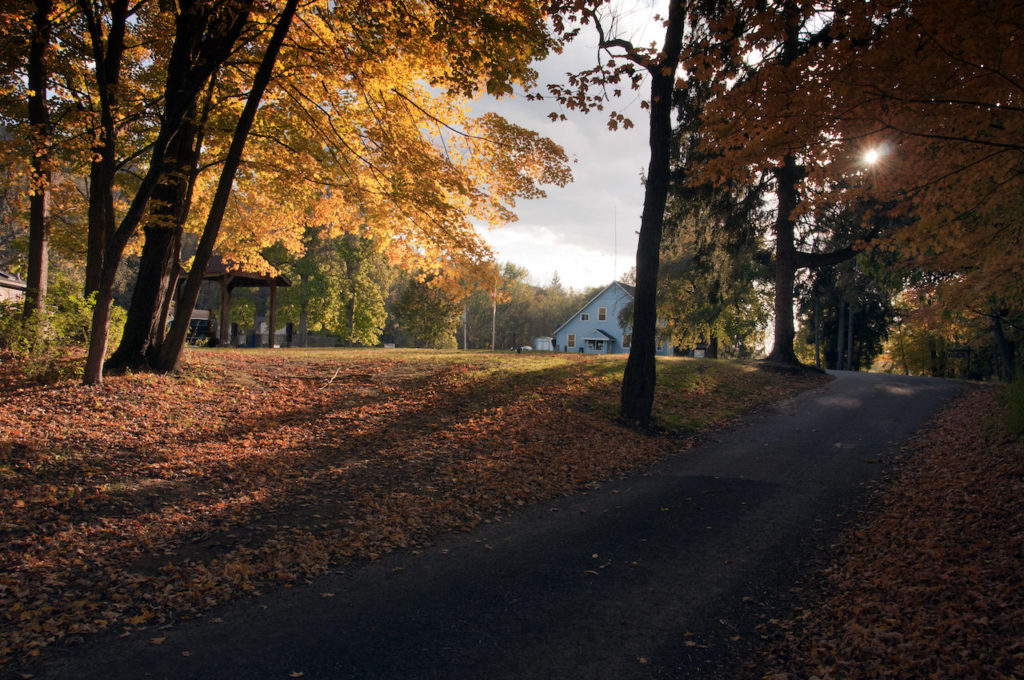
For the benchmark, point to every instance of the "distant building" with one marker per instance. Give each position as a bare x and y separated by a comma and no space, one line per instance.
595,328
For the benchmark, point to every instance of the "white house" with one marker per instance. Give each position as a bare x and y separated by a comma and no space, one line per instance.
595,328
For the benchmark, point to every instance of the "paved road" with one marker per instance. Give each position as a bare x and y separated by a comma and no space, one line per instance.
662,575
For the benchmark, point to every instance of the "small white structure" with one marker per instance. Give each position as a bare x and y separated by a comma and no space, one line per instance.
542,343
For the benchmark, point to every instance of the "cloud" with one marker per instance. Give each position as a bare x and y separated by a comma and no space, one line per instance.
587,230
544,251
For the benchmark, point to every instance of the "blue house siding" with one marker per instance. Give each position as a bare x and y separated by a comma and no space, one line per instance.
595,329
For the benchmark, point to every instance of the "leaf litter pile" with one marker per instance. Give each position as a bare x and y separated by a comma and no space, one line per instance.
152,498
930,584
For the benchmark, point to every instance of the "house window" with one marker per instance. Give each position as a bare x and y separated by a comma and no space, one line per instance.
625,340
572,340
584,317
602,313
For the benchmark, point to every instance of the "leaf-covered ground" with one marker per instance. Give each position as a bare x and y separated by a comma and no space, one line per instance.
151,498
930,585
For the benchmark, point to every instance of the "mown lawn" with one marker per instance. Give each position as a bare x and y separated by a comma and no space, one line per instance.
151,498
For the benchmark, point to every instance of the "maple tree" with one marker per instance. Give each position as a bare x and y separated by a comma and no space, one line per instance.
759,130
368,107
931,91
339,284
951,149
945,119
204,36
930,337
166,358
39,122
36,191
426,314
351,123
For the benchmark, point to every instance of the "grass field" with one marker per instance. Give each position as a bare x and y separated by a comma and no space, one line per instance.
156,497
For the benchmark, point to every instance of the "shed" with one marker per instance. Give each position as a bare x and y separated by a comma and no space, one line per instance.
543,343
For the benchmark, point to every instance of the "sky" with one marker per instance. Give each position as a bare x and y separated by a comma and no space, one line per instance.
586,231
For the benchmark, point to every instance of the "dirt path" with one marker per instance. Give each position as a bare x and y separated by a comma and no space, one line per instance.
664,574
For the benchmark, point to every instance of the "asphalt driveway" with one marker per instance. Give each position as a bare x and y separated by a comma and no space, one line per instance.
660,575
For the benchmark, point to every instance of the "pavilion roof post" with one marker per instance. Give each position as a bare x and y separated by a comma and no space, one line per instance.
225,311
272,313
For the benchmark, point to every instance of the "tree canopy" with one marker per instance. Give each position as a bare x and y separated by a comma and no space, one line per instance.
245,122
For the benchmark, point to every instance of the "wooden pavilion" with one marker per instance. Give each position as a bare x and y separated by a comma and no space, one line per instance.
229,275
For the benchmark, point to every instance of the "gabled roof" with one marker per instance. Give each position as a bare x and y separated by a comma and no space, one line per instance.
8,280
219,268
598,334
629,290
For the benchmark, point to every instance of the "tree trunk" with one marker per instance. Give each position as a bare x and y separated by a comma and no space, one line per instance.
153,286
272,315
841,335
100,218
787,178
304,325
192,61
350,315
170,352
638,380
107,54
817,330
39,203
1003,347
849,338
161,252
100,326
172,292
